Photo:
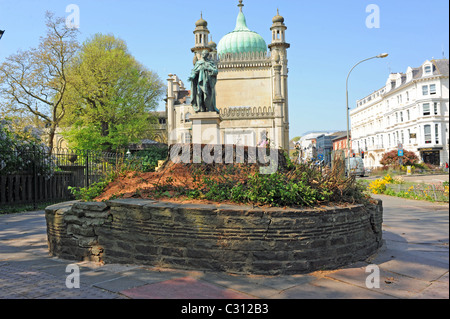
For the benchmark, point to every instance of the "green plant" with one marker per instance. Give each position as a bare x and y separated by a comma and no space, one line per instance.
89,193
391,158
378,186
20,153
293,185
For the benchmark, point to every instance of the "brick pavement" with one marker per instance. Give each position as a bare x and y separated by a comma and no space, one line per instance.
18,282
413,264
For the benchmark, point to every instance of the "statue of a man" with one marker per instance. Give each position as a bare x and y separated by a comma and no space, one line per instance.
204,78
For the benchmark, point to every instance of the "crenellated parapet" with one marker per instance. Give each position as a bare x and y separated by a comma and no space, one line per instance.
247,112
244,59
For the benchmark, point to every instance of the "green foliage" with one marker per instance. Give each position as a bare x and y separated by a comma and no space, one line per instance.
89,193
22,152
391,158
428,192
278,189
147,160
109,96
33,82
295,185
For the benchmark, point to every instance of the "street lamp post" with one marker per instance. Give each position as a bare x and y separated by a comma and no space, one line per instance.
379,56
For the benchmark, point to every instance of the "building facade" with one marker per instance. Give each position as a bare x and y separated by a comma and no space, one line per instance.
411,112
251,89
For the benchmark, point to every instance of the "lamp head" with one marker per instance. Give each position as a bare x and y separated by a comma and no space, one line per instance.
382,55
1,33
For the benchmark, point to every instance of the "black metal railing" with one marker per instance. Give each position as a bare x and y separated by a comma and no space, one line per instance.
35,175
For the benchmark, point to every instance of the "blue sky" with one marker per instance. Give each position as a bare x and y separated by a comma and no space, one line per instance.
327,38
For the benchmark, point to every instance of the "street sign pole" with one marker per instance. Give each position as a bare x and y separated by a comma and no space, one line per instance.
400,154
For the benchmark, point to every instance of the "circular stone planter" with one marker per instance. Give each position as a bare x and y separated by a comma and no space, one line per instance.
235,239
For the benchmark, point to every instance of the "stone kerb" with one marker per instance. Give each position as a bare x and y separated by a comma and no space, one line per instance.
235,239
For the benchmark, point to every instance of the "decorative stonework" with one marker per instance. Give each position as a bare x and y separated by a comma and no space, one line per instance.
236,239
247,113
244,60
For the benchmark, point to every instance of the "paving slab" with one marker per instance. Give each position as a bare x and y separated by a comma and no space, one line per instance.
325,288
390,283
95,278
119,284
413,263
436,290
149,275
245,284
183,288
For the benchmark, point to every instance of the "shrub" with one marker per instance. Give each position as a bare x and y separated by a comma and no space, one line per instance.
378,186
391,158
23,152
292,185
398,180
89,193
147,160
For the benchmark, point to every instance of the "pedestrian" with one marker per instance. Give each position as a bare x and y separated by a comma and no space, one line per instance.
446,167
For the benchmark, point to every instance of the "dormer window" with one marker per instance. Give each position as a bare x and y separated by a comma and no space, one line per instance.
427,69
409,74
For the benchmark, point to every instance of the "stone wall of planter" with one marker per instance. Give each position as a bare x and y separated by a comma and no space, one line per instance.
235,239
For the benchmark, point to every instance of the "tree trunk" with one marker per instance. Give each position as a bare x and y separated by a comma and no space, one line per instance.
51,137
105,133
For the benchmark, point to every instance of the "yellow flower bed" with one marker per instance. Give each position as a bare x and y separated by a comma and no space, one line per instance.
378,186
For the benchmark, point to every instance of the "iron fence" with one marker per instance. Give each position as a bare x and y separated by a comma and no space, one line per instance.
438,193
35,175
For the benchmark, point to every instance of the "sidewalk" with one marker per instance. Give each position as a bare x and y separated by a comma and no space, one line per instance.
413,264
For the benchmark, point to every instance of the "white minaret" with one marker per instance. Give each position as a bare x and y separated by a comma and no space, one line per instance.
201,33
278,48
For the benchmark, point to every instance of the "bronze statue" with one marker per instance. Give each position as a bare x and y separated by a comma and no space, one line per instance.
203,78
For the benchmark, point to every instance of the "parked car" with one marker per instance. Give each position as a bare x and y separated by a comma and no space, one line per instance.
356,166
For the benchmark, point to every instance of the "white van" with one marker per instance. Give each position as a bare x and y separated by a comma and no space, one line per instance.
356,166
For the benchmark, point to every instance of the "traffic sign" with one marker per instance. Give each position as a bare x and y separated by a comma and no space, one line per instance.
400,152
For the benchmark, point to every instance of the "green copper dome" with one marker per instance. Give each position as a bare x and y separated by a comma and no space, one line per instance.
241,39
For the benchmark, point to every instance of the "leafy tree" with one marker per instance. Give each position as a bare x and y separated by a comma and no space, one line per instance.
110,96
392,158
24,152
34,82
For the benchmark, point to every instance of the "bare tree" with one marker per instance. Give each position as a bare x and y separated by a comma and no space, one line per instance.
35,82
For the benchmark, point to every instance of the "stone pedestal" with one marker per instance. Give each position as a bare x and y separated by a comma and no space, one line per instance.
206,128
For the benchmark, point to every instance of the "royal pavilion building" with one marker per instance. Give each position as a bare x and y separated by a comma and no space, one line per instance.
251,89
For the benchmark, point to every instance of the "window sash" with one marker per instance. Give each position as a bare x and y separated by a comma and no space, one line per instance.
436,133
432,88
425,90
426,109
427,134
